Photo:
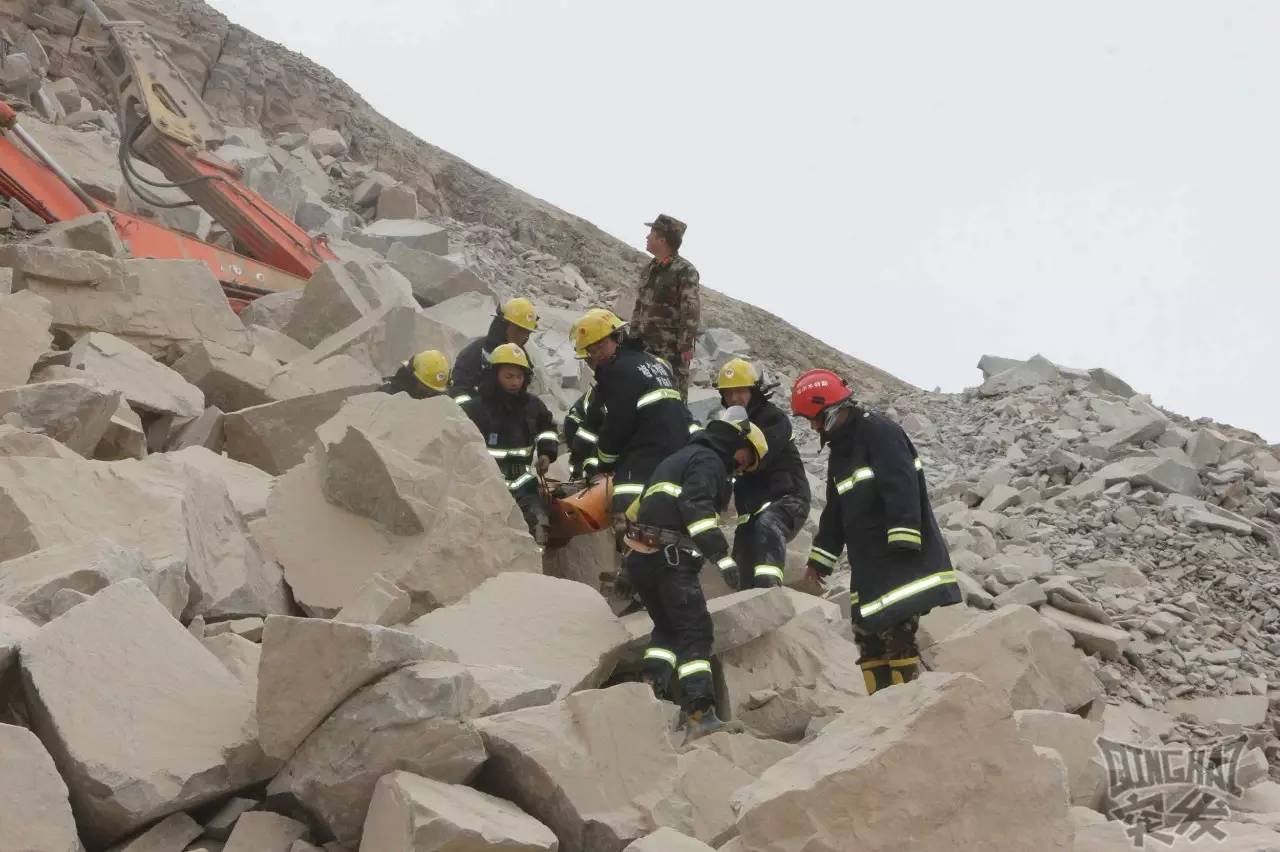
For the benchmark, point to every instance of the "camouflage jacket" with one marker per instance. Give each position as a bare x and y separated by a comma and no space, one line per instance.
668,307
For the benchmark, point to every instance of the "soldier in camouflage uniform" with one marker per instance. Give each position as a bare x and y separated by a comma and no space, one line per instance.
668,303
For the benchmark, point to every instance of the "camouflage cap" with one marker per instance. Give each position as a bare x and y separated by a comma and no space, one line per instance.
668,225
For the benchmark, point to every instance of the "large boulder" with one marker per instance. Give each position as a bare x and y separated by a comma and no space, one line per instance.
34,811
147,385
410,813
163,307
435,278
183,521
937,764
386,338
74,412
93,232
566,765
414,718
14,627
1075,739
19,442
668,840
272,311
385,233
263,831
112,685
404,488
173,832
1031,661
230,380
1020,375
276,436
310,666
339,294
565,633
247,485
24,336
1166,475
336,372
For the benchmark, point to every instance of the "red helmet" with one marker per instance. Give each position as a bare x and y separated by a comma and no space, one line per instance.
817,390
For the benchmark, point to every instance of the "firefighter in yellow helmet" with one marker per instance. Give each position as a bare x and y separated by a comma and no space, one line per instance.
642,417
672,529
772,502
423,376
518,431
514,322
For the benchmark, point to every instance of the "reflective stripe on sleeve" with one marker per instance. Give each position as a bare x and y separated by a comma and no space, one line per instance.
702,526
906,591
461,398
859,475
607,458
769,571
627,488
668,488
694,667
657,396
587,435
822,558
726,563
546,436
524,479
906,534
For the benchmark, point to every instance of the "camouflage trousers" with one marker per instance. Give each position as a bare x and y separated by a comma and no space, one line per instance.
888,657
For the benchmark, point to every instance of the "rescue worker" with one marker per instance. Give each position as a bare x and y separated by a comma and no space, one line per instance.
514,323
672,528
518,430
668,301
582,435
423,376
772,502
643,419
877,507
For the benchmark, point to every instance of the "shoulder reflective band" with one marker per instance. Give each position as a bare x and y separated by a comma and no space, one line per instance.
657,396
668,488
607,458
859,475
698,527
694,667
523,480
587,435
695,428
512,453
769,571
919,465
823,557
628,488
461,398
546,436
591,462
663,654
908,590
726,563
904,534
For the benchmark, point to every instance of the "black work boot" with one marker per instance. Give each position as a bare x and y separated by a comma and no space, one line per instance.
702,723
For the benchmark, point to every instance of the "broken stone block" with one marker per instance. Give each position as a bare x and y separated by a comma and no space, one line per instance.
34,811
337,296
1031,661
276,436
411,719
29,583
18,442
501,689
18,75
435,278
1075,739
272,311
1104,380
274,347
1090,636
64,600
183,520
326,141
1019,376
67,93
247,486
219,825
566,631
310,666
75,412
116,754
1112,572
397,202
336,373
379,601
366,194
819,798
410,812
14,627
163,307
239,655
668,840
171,833
24,336
230,380
124,438
411,233
408,462
263,831
91,232
1137,431
1247,710
750,754
204,431
549,760
1164,475
246,158
1026,593
283,190
146,384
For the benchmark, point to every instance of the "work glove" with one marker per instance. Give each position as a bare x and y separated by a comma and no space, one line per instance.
543,464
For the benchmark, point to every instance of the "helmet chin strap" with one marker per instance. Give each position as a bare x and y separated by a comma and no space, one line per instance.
831,414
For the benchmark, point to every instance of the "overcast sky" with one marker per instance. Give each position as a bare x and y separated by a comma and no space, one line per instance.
916,184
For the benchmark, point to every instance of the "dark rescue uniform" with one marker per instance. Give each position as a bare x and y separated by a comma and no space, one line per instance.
878,508
683,499
473,360
773,502
582,435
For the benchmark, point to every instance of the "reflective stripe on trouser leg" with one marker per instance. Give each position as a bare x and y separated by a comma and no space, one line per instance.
684,610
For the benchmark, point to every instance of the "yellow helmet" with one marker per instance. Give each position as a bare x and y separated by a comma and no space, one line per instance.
592,327
736,417
755,437
509,353
737,374
432,369
520,312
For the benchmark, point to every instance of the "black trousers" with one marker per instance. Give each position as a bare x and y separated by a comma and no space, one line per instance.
682,632
760,544
534,508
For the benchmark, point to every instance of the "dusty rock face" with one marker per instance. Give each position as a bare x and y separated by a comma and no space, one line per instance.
933,739
262,831
14,627
310,666
413,718
111,685
1075,740
565,633
276,436
386,338
173,832
34,812
190,526
75,412
18,442
410,812
247,486
24,330
337,296
230,380
146,384
413,464
667,840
